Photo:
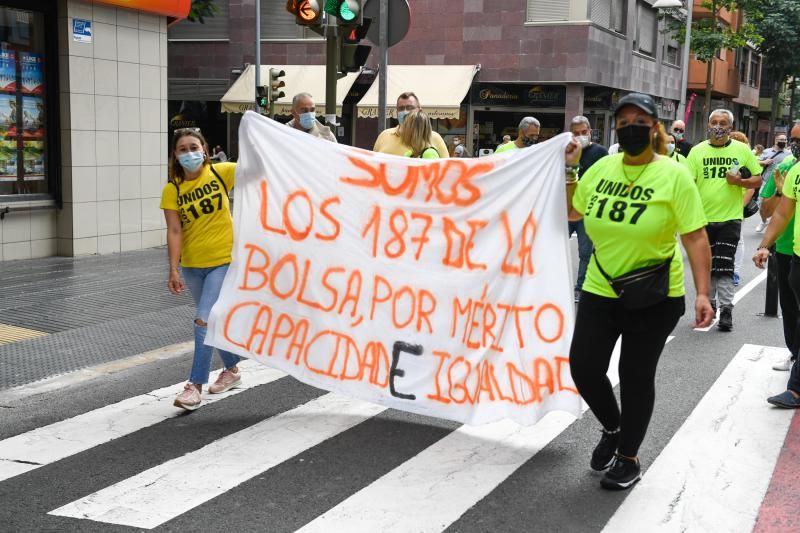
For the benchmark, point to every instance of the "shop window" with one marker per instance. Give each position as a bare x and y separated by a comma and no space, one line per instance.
548,10
212,29
24,168
647,29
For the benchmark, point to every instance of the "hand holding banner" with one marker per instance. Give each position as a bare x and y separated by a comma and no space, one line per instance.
439,287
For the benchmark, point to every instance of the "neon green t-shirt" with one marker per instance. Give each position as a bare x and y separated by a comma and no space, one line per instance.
709,166
205,216
428,153
791,189
632,215
679,158
785,243
506,147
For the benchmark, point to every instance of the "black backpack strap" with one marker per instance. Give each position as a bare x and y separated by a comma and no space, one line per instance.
225,187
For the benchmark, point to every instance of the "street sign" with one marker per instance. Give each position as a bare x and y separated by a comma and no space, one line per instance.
399,20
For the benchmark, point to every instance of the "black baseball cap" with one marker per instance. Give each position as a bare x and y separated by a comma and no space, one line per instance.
642,101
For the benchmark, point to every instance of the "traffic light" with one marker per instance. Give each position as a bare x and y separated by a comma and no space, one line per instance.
352,55
349,12
274,92
306,12
261,97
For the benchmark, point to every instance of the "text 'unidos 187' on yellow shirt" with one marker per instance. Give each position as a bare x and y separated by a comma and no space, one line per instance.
709,165
205,214
632,214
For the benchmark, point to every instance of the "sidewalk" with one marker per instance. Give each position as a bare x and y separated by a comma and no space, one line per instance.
62,314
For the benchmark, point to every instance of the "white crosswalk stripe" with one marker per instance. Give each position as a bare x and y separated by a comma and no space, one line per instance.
708,471
713,474
45,445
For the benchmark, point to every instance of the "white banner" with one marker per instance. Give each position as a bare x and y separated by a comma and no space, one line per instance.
440,287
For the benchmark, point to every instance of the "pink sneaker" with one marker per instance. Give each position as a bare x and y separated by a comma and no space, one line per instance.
226,380
189,399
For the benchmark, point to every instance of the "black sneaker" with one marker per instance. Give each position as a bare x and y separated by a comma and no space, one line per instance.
603,454
725,319
623,474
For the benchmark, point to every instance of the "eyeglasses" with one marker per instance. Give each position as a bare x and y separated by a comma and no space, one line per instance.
184,131
677,130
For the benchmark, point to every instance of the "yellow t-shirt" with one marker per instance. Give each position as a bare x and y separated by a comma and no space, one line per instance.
791,189
709,165
205,214
388,142
635,226
506,147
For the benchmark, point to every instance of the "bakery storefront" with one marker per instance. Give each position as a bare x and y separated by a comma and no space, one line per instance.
83,125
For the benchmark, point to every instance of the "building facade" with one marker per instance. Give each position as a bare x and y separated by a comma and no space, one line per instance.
83,115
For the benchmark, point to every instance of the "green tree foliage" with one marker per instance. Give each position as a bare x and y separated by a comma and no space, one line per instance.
202,9
710,34
780,45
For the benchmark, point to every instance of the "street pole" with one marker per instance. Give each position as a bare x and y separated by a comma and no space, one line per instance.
331,71
687,45
384,62
258,54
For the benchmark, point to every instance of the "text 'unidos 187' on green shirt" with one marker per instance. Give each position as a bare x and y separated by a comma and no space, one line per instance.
632,214
785,243
709,165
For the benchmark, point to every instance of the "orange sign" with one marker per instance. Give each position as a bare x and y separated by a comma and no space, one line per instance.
168,8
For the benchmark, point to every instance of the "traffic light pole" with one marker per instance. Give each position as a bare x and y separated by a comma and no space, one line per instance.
331,69
258,54
383,69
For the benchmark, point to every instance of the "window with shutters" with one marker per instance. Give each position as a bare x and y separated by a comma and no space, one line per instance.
755,69
213,28
742,62
646,29
619,16
279,24
600,12
548,10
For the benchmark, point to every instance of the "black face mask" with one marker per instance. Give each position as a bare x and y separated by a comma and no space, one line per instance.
634,139
527,141
796,150
781,145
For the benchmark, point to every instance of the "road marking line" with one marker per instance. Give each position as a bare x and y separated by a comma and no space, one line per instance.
433,489
166,491
48,444
714,472
83,375
741,293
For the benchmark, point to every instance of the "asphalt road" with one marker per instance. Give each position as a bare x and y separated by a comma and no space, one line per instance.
553,491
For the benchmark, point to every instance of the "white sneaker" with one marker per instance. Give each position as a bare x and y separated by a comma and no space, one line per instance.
784,365
762,226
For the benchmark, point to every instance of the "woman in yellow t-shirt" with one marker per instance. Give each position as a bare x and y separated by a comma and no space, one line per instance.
416,133
199,237
633,204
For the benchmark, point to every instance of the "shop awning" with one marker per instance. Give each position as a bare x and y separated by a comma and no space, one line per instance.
299,79
440,89
170,8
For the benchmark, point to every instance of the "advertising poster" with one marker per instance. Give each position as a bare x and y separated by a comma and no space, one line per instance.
8,71
8,160
8,116
32,118
32,66
33,160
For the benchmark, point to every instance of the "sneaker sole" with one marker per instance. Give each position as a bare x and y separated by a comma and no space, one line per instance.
783,405
616,485
781,368
176,403
226,389
725,328
596,469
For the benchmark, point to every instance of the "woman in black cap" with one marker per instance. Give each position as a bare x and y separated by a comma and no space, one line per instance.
633,204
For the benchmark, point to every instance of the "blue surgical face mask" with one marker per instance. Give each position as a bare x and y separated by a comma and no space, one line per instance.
307,120
401,116
191,161
670,148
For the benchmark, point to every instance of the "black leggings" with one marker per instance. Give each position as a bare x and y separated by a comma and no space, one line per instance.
789,307
599,324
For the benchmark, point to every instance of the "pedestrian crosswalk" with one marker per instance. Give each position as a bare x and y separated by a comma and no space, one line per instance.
711,476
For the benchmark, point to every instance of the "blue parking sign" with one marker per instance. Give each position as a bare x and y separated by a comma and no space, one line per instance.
82,30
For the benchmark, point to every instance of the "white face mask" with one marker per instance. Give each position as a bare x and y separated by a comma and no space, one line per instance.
583,140
670,148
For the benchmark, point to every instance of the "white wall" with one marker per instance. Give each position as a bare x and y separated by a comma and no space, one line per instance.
113,130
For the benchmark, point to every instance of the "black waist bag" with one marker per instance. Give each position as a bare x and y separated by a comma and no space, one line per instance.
642,287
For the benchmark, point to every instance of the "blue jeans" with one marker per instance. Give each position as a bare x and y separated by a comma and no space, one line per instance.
205,284
585,248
